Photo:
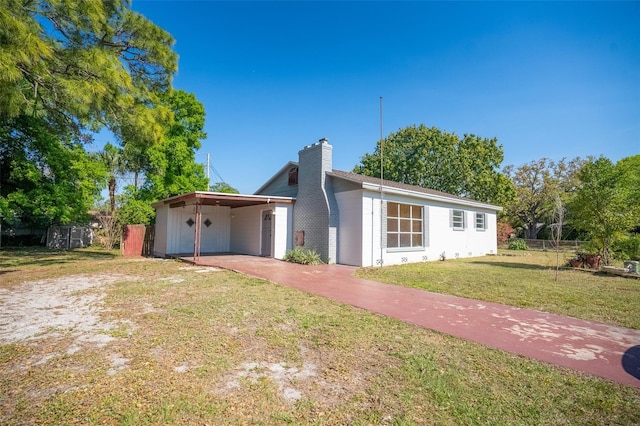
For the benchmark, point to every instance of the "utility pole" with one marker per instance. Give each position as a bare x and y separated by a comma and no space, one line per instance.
208,177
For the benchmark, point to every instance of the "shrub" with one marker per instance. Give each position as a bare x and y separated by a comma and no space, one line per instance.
110,233
303,256
518,244
628,248
504,231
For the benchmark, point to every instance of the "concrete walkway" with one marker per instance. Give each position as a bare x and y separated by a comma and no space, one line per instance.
601,350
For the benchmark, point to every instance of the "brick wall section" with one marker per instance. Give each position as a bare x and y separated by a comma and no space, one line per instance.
315,211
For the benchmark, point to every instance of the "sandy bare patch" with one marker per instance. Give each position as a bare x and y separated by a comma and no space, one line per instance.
118,363
283,376
200,270
70,305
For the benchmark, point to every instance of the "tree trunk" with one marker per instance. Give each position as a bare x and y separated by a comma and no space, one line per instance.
112,193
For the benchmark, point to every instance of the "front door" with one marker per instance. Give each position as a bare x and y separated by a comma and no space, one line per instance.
265,249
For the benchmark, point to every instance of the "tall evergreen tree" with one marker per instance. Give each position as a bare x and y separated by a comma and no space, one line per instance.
68,68
81,64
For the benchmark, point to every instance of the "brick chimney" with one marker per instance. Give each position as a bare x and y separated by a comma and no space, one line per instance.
315,210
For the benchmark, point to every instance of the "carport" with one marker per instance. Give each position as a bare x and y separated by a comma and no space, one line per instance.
211,222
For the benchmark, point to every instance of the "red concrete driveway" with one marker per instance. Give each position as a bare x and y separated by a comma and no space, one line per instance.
598,349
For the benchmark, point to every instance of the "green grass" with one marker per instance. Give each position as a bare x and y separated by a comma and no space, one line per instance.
361,368
527,280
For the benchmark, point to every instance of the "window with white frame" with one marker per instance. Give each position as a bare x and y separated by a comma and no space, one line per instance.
481,221
404,225
457,219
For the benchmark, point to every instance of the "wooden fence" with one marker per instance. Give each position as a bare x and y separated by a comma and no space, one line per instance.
137,240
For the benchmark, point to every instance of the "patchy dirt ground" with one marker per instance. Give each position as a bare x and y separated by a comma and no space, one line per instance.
57,318
46,308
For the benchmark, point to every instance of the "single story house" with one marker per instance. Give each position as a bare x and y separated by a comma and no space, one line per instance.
347,218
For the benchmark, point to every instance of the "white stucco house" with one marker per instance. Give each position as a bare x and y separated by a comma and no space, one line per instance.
347,218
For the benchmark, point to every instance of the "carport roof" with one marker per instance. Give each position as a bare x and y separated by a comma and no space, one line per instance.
221,199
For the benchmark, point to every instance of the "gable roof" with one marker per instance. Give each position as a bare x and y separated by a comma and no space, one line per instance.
389,186
284,168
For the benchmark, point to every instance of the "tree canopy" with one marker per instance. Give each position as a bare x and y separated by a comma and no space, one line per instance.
606,204
431,158
171,167
166,168
223,187
537,184
69,68
45,177
81,65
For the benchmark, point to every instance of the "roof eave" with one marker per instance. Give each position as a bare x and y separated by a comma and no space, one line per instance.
192,197
426,196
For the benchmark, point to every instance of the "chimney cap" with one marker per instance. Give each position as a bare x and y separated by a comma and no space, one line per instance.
324,140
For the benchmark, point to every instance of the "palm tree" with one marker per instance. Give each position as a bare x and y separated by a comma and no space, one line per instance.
134,160
111,157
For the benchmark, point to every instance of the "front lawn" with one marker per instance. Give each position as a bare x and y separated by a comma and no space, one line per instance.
527,280
150,342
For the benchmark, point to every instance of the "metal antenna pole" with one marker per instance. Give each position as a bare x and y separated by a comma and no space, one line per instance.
382,236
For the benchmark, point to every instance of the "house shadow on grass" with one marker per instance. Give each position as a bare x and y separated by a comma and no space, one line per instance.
631,361
29,256
514,265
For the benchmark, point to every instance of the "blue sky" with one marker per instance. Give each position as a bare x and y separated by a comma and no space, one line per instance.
548,79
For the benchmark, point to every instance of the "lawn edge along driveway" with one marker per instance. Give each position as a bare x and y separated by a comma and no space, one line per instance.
598,349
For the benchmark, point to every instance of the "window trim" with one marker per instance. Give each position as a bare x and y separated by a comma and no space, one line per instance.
484,221
411,233
463,218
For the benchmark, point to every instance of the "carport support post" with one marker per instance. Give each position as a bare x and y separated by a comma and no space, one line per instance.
196,236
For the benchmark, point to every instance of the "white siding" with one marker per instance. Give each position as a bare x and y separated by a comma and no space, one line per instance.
439,238
174,228
371,229
350,230
469,242
160,238
282,238
245,229
214,239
